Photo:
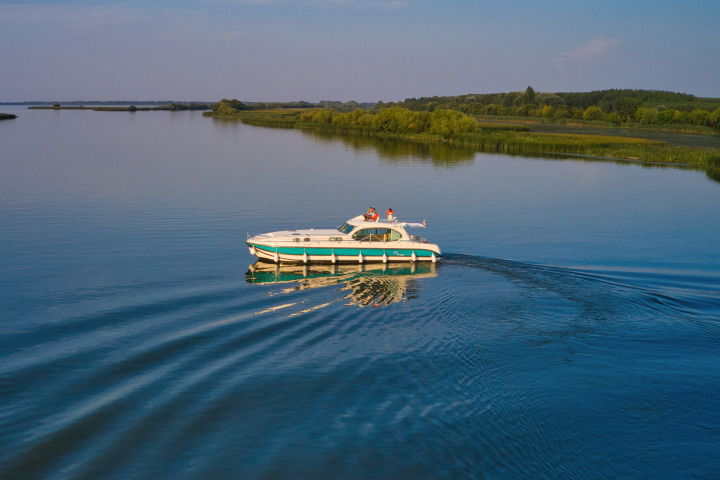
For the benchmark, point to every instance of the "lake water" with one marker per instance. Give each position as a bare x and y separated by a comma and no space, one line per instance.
571,330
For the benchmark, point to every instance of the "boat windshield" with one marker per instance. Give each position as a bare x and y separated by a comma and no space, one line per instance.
345,228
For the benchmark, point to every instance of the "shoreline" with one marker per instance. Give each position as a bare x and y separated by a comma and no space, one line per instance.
621,144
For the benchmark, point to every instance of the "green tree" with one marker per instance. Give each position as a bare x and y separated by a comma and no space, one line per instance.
666,116
225,104
448,123
699,117
613,117
593,113
647,116
562,111
494,109
680,117
306,117
626,108
547,112
524,110
386,120
323,116
529,95
714,119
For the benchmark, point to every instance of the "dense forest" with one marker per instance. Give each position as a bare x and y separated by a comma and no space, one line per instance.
644,107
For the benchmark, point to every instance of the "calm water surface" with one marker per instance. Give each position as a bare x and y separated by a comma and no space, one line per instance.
572,329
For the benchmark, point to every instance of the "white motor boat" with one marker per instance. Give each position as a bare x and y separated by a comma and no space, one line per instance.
356,240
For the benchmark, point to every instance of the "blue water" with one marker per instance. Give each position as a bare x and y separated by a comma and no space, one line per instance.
571,330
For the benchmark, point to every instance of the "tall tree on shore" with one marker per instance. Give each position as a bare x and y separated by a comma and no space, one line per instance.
529,95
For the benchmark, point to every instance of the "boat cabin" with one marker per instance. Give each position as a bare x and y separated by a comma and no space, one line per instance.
376,235
369,231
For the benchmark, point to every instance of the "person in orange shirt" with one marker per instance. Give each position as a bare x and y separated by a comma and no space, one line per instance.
371,215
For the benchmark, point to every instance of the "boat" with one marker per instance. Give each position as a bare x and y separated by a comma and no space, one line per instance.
357,240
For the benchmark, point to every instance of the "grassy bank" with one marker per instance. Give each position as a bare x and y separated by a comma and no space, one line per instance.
484,137
280,118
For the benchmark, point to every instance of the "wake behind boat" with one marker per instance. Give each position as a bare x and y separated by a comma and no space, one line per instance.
357,240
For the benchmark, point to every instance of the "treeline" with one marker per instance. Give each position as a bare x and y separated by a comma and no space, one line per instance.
394,120
620,107
615,107
185,106
226,106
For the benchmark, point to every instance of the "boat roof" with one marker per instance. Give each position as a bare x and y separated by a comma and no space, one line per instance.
360,221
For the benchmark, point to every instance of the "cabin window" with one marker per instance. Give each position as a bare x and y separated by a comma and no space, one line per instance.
345,228
376,235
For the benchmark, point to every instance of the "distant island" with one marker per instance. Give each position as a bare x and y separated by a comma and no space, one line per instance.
101,102
7,116
110,107
624,125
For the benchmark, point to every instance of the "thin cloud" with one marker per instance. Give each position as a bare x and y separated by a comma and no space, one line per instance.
592,50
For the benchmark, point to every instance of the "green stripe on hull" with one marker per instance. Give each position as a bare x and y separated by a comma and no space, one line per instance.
350,252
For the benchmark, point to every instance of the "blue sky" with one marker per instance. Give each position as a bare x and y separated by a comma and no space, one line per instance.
286,50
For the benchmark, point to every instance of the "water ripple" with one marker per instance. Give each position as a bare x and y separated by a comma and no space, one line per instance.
482,365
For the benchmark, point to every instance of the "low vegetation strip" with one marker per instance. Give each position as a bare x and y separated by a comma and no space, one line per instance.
523,142
7,116
124,108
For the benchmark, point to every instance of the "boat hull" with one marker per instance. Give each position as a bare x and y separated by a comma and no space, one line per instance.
346,254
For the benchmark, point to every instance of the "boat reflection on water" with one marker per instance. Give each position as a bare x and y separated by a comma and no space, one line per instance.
365,284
